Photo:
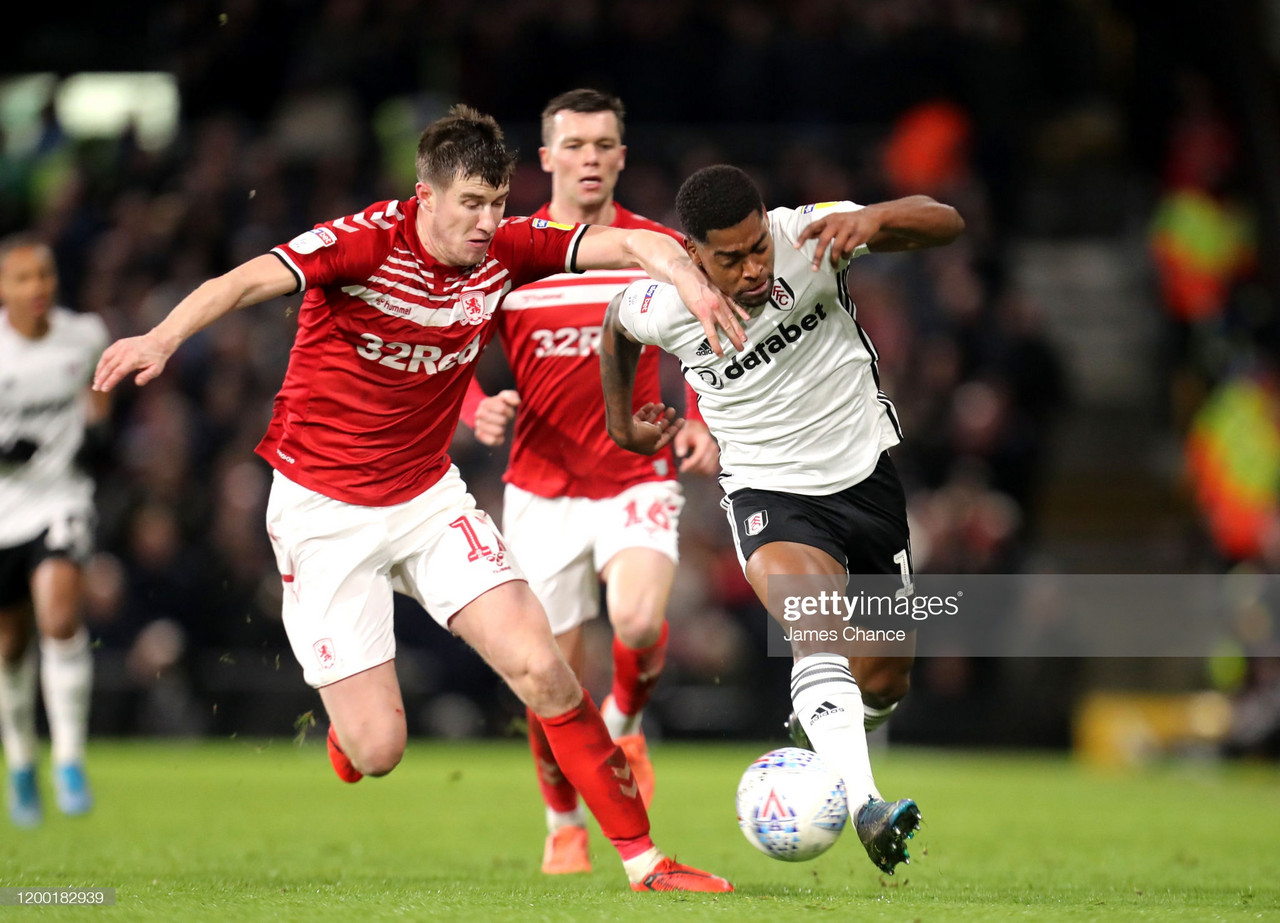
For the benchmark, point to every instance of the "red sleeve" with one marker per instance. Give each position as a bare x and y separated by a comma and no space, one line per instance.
648,224
534,248
343,250
691,409
471,403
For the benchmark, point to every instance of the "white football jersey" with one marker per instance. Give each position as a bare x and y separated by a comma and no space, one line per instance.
42,398
800,409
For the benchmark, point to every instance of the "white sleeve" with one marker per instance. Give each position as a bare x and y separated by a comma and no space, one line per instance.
638,312
96,338
801,218
101,337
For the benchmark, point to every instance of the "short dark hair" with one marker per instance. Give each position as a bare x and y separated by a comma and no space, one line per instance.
464,143
716,197
581,100
22,240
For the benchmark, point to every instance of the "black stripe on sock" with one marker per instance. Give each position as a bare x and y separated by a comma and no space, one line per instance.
819,682
825,669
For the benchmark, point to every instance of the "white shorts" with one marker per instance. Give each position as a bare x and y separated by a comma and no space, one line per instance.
340,563
564,542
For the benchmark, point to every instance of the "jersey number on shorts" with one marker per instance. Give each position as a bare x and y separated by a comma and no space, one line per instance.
478,548
903,560
657,515
72,534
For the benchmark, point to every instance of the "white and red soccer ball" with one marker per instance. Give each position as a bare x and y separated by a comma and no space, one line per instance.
791,805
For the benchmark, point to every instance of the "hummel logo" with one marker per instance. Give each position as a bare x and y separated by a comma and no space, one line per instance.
825,710
704,348
623,773
550,772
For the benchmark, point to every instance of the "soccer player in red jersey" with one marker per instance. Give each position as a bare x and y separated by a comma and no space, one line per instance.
578,509
400,299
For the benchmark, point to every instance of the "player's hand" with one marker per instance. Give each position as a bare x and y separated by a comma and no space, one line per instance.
145,355
653,426
714,310
842,232
493,414
696,449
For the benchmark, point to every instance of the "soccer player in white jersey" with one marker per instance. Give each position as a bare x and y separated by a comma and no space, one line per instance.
578,509
804,431
47,355
400,299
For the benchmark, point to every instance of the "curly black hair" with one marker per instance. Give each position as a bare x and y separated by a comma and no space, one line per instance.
716,197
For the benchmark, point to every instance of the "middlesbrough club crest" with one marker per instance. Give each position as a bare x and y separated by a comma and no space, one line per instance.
472,304
324,653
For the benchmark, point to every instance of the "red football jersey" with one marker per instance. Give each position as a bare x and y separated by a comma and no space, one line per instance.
550,331
386,343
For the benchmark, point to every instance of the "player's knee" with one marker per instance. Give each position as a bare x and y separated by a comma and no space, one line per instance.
378,753
636,626
548,686
13,644
885,687
59,624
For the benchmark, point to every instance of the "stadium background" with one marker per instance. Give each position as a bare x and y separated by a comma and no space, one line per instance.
1112,304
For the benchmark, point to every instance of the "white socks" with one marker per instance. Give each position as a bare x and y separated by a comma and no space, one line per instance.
18,710
619,724
829,705
66,676
641,865
557,819
872,718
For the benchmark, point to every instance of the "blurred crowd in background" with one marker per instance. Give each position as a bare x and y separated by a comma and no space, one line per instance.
1049,122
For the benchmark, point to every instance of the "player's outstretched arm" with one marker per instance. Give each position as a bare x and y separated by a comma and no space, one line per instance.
651,427
665,260
257,280
911,223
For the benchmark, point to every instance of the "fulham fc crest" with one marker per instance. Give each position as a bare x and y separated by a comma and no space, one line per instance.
756,522
472,304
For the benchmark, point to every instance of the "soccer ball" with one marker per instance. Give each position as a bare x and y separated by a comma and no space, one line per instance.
791,805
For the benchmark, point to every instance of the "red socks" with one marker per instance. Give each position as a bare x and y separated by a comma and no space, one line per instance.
636,672
559,795
594,765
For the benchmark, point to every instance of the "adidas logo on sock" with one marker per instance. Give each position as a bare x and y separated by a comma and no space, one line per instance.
823,710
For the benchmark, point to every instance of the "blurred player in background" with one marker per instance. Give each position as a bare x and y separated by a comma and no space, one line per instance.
805,432
50,426
578,509
400,299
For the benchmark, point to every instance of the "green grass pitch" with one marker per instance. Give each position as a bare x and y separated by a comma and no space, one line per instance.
262,830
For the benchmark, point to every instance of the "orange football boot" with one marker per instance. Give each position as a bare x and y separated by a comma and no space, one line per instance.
566,852
341,765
